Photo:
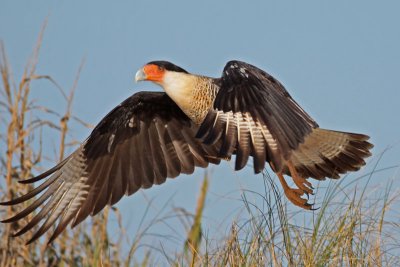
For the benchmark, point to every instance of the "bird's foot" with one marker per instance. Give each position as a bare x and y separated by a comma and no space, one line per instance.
301,182
294,194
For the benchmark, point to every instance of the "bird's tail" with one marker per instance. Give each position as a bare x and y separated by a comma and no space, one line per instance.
327,153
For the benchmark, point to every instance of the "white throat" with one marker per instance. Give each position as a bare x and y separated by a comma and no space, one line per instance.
179,87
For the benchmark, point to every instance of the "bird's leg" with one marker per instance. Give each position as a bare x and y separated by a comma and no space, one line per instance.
294,194
301,183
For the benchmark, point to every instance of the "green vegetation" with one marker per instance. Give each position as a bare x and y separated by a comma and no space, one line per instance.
353,227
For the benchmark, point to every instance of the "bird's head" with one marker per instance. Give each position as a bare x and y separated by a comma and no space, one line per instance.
156,71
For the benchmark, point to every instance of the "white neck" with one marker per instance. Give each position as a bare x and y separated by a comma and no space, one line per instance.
179,87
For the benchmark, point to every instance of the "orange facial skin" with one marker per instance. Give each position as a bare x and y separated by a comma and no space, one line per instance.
154,73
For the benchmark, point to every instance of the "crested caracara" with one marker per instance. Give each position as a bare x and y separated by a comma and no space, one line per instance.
198,120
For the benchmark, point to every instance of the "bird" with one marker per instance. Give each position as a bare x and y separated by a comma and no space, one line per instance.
196,121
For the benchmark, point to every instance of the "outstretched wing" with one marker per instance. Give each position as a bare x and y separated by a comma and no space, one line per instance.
141,142
254,115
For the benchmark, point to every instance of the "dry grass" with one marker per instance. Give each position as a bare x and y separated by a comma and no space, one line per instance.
352,228
22,124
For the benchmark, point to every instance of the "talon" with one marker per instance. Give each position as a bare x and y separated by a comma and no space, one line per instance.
294,194
309,206
310,185
298,192
301,182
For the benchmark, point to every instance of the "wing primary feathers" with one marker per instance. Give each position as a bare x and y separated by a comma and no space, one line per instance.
137,167
146,155
160,169
46,211
243,145
32,206
94,178
215,132
119,182
230,136
172,160
206,125
259,157
33,192
45,174
104,194
91,204
199,154
181,148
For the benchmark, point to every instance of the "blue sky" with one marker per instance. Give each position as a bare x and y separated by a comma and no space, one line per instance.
339,59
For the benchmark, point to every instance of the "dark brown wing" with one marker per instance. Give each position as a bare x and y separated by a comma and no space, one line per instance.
141,142
254,115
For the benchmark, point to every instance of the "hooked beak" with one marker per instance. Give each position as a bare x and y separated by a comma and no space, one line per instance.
140,75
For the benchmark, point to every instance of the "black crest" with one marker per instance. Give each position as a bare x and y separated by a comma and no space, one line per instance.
168,66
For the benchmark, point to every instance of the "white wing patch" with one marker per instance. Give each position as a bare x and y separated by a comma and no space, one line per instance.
242,135
110,142
243,72
132,122
245,127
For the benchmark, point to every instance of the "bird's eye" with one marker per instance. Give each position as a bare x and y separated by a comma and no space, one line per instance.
160,68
